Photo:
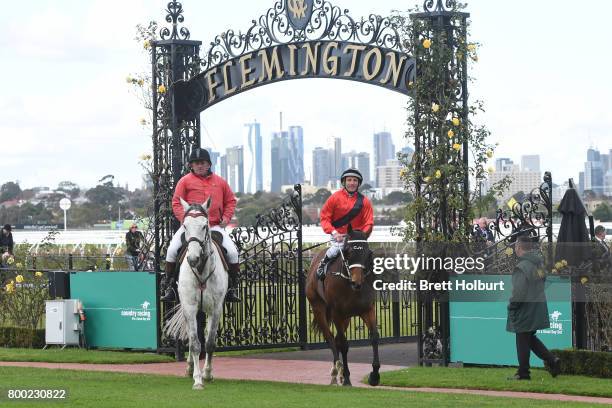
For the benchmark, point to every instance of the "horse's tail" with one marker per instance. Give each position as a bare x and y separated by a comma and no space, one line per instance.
176,326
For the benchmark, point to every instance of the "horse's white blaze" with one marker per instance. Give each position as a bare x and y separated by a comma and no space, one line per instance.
183,324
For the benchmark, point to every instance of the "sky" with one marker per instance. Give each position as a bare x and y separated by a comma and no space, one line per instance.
67,113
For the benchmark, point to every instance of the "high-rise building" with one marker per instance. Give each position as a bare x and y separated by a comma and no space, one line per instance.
608,184
235,168
359,161
320,167
253,160
525,181
296,154
280,161
389,177
214,159
581,183
408,152
530,162
504,164
384,149
336,158
223,167
594,172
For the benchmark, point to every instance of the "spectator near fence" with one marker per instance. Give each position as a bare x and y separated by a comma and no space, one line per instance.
134,241
6,243
528,311
602,249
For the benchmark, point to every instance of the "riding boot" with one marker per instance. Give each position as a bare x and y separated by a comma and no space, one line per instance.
323,268
232,291
170,283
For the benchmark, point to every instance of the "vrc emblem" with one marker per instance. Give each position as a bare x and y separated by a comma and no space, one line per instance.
299,12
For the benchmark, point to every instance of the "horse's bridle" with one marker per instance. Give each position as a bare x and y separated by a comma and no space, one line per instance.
348,267
202,243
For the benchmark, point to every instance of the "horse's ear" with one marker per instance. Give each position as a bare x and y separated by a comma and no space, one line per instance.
350,229
207,203
185,204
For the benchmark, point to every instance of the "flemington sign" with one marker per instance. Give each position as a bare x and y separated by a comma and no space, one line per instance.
304,49
316,59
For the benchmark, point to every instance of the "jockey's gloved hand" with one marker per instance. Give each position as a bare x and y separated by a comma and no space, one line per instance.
336,236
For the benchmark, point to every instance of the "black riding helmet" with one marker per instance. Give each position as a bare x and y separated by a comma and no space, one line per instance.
198,154
351,173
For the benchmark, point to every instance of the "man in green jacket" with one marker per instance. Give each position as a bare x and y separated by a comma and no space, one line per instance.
527,311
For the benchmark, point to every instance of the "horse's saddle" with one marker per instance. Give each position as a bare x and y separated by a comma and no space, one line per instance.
217,238
333,267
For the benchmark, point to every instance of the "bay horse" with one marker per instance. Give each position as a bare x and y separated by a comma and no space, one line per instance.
202,286
347,291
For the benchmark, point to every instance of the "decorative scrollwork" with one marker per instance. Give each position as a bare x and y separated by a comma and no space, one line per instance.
174,16
327,22
440,5
531,215
281,222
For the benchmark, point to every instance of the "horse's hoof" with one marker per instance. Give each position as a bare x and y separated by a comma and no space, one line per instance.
198,386
209,379
347,383
374,379
333,381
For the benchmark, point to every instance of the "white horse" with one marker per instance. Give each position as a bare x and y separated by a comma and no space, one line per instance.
202,285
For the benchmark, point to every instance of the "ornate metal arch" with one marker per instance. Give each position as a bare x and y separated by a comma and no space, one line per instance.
326,22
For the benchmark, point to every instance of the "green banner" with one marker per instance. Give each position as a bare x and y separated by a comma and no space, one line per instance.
120,308
478,328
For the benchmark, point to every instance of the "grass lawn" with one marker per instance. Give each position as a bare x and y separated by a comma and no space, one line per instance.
55,355
496,379
98,389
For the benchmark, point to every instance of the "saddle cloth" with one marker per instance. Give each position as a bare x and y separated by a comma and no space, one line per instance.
218,242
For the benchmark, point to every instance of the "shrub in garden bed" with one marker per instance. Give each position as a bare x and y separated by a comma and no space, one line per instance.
585,362
22,337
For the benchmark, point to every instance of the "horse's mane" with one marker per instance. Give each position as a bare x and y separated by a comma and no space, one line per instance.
357,234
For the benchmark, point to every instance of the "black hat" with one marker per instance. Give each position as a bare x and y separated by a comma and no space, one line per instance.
198,154
7,227
351,173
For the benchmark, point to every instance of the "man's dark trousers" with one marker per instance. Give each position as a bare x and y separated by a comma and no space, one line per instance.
525,343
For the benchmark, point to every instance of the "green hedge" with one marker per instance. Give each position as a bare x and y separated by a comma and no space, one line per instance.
21,337
584,362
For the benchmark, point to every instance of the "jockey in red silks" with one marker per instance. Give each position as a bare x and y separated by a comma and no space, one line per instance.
344,207
195,188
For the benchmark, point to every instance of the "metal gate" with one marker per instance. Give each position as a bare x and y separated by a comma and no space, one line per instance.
274,311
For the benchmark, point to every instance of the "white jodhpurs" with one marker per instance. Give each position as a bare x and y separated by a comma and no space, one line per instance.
334,250
228,244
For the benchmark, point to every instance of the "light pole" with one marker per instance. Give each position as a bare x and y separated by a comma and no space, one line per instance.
65,204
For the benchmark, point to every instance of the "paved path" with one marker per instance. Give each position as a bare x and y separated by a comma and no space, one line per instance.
397,354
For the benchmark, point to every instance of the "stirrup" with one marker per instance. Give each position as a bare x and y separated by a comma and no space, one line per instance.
322,269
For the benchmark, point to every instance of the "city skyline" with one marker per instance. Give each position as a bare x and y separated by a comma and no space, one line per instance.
102,133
